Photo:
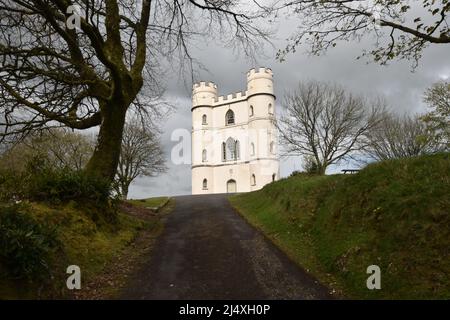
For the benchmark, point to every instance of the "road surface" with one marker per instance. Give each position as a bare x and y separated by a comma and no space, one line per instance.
208,251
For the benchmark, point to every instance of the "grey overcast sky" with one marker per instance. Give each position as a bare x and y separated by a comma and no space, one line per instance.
402,88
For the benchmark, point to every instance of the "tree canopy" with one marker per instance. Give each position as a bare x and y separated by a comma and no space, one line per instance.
437,119
85,63
402,29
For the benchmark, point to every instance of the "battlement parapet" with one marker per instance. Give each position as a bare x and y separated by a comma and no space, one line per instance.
204,84
257,72
230,98
259,81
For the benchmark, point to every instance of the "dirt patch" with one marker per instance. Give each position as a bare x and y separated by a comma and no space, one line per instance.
138,212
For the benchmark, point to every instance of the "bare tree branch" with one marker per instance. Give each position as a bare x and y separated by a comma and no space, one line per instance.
326,123
324,23
53,74
141,155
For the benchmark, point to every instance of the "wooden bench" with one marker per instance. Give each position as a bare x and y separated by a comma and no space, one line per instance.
350,170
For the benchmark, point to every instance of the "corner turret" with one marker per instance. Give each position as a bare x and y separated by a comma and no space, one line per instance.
203,93
260,80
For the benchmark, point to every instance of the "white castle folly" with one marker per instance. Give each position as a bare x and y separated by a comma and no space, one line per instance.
234,137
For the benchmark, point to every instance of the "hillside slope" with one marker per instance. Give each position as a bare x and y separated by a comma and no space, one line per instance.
394,214
38,241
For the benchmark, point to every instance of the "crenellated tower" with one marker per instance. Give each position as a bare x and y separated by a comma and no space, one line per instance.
234,146
260,81
203,93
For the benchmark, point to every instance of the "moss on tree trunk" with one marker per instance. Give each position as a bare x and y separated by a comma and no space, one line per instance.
105,158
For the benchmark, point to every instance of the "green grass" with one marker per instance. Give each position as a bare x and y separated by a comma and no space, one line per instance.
394,214
150,202
85,243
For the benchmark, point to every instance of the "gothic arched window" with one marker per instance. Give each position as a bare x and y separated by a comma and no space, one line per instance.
205,184
204,155
229,117
252,149
251,111
253,180
204,119
230,150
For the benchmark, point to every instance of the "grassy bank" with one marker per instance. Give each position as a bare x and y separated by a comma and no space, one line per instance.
393,214
77,238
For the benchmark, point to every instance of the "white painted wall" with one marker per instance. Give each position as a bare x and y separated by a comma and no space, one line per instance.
258,128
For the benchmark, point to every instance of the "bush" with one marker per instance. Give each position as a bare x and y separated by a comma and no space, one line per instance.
26,245
310,165
9,190
40,182
303,174
63,185
295,173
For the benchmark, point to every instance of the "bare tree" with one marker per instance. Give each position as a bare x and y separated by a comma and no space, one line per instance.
60,148
84,68
402,28
326,123
400,137
438,119
141,155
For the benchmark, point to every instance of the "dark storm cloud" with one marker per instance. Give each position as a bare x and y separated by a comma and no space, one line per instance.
402,88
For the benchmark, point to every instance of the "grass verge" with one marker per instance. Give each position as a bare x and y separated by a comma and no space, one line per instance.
92,245
394,214
150,203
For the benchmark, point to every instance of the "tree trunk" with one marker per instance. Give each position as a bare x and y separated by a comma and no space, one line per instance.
105,158
124,190
321,168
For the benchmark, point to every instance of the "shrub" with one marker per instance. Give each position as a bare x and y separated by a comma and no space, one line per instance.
301,174
40,182
310,165
9,189
294,173
43,183
65,185
26,245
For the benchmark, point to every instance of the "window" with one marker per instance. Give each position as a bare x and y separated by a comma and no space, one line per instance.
251,111
204,119
273,177
205,184
270,109
229,117
272,147
252,149
253,180
230,150
204,155
224,151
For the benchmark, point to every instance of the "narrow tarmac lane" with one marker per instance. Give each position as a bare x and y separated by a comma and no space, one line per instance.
207,251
